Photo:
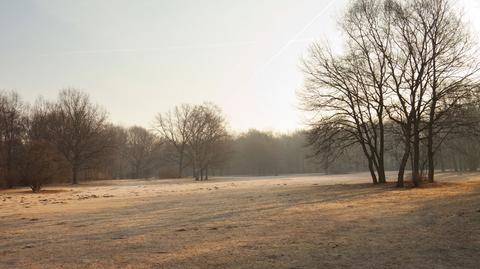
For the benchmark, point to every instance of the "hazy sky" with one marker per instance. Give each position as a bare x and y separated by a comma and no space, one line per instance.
138,58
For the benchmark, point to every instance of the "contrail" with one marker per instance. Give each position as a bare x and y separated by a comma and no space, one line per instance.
169,47
295,38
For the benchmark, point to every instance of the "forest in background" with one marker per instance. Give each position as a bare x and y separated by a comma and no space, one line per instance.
71,139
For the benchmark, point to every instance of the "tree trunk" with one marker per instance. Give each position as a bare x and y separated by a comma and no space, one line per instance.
74,175
416,155
431,165
195,170
180,166
371,165
372,171
433,107
430,150
382,179
404,161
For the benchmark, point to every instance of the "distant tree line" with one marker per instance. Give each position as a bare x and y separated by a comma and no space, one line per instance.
70,139
259,153
51,141
405,88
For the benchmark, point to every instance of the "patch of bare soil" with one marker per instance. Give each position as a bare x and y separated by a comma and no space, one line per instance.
275,222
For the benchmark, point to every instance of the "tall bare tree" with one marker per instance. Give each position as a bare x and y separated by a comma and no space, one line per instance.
432,68
79,130
173,127
411,60
342,92
208,139
452,73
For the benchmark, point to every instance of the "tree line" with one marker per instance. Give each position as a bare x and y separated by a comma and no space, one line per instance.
407,79
71,139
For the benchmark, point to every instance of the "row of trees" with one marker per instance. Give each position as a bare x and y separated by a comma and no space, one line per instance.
408,73
197,138
71,139
50,140
253,153
265,154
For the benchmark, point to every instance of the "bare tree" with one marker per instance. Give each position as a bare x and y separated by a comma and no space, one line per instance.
79,131
453,69
339,90
432,68
116,163
41,162
139,150
12,122
460,151
411,60
208,139
173,127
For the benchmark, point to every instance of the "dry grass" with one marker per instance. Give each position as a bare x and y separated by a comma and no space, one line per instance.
281,222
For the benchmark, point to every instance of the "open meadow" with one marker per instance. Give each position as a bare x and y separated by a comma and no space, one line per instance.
273,222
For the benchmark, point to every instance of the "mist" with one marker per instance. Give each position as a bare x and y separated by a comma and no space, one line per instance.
254,134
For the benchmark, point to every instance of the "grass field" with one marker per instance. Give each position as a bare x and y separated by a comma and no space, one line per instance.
276,222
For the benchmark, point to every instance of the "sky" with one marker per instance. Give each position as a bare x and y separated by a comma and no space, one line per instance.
139,58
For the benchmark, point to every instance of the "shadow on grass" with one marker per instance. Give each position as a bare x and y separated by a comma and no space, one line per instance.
443,229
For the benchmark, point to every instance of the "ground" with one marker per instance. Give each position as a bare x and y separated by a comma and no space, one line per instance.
276,222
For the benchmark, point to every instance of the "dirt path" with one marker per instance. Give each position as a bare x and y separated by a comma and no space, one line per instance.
281,222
